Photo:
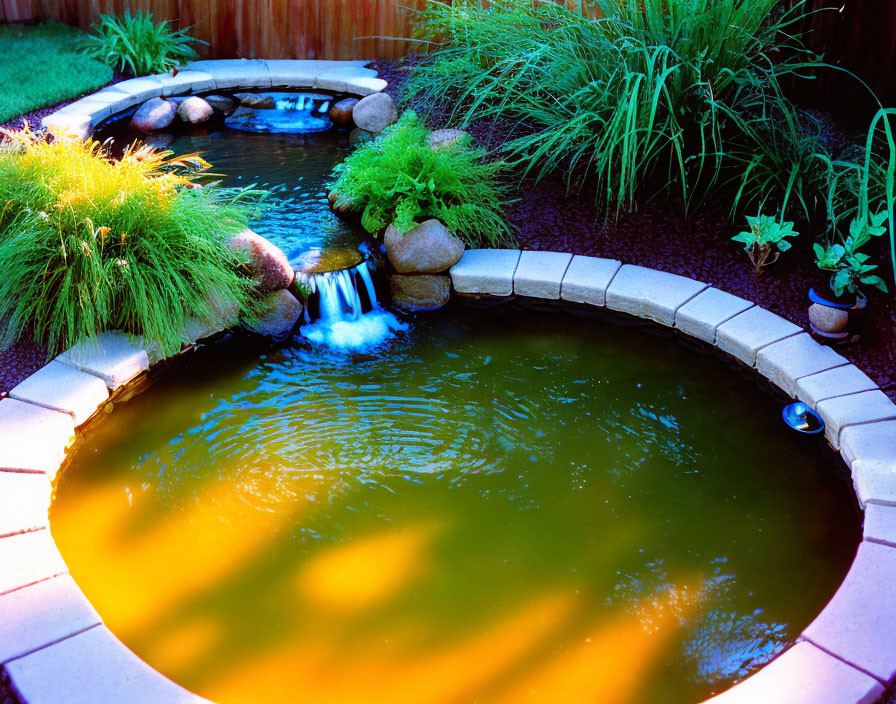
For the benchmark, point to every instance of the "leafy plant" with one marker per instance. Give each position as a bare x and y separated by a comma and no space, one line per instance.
90,243
398,179
764,241
653,91
850,266
139,44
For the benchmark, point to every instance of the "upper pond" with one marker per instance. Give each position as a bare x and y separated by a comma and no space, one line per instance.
501,505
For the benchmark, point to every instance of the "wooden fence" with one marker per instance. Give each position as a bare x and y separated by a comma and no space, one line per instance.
860,37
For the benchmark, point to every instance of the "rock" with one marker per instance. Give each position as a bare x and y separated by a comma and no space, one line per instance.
280,311
221,104
341,111
155,114
827,319
267,264
194,110
421,291
444,138
427,249
259,101
375,112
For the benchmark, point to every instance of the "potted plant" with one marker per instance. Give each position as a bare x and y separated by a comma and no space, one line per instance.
834,314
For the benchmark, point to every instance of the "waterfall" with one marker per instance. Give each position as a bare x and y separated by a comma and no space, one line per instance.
293,112
343,311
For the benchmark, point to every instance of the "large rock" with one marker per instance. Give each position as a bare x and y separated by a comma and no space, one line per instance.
375,112
341,111
221,104
420,291
267,264
444,138
194,110
427,249
154,115
258,101
280,311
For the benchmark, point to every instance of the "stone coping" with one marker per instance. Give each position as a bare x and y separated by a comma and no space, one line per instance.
80,118
53,642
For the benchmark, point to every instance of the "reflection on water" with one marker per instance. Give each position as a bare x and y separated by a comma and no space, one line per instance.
503,507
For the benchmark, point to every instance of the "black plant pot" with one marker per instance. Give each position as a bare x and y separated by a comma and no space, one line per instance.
836,320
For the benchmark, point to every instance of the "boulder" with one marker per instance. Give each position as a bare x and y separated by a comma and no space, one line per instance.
420,291
221,104
443,138
346,210
280,311
194,110
258,101
154,115
267,264
827,319
341,111
375,112
427,249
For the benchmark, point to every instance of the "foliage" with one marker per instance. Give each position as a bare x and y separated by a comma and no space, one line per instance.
654,90
850,266
90,243
398,179
138,44
42,66
764,241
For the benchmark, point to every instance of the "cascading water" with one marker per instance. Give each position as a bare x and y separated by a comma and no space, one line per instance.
344,313
292,112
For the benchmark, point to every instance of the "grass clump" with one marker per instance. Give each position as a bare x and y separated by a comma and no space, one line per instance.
398,179
42,66
138,44
89,243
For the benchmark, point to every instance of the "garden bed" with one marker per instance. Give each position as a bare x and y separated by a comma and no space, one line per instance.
660,237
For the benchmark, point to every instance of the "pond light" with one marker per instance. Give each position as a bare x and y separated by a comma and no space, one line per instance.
802,418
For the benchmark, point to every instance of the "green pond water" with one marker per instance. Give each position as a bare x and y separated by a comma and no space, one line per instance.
501,505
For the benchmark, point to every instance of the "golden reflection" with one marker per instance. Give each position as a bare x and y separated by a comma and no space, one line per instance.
184,644
366,571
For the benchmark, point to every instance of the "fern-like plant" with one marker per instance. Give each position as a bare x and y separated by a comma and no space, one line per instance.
89,243
139,44
398,179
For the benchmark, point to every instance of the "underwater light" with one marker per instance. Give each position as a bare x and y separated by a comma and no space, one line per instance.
802,418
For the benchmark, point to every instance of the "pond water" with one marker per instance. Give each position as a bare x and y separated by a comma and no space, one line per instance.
501,505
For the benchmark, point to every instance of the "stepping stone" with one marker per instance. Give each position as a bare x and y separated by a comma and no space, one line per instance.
702,315
647,293
587,278
748,332
857,625
112,356
62,388
540,274
33,439
42,614
485,271
784,362
24,503
93,667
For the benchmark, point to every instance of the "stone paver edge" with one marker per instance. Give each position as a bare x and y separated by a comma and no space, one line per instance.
833,699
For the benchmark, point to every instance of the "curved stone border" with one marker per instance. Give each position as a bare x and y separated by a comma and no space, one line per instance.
846,656
80,118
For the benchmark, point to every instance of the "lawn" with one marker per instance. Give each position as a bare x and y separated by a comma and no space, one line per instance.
42,66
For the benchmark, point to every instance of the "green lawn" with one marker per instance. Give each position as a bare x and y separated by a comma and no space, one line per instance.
42,66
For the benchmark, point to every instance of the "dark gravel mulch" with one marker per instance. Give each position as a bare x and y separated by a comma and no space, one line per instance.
660,236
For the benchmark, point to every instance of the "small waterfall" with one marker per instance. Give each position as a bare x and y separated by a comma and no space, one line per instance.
343,311
293,112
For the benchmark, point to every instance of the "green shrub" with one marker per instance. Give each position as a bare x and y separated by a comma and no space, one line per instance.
850,266
764,241
398,179
138,44
89,243
41,65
